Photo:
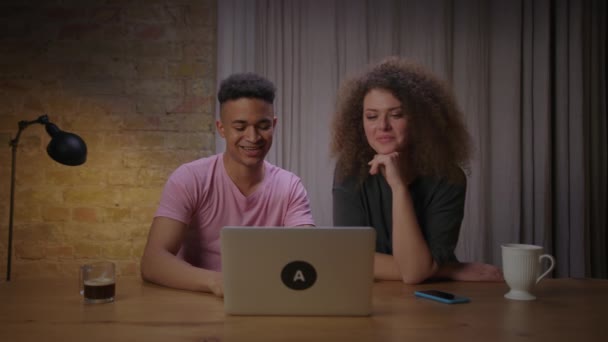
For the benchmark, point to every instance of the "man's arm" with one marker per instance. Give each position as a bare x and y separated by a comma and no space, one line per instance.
298,210
160,263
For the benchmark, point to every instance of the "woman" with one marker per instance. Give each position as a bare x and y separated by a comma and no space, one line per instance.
400,142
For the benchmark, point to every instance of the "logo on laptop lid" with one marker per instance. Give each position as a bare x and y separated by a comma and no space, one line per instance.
299,275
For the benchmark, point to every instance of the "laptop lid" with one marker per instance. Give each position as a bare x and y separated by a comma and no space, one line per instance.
298,270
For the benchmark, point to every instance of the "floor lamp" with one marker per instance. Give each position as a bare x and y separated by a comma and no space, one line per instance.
65,148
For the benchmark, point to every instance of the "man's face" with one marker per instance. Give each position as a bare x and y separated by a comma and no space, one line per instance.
247,124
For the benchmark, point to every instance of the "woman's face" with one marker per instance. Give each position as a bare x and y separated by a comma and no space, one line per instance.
384,122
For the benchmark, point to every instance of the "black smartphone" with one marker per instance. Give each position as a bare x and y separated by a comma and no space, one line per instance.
441,296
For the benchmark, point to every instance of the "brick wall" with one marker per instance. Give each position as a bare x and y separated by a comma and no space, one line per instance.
136,80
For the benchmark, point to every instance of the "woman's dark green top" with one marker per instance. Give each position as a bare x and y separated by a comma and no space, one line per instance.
439,207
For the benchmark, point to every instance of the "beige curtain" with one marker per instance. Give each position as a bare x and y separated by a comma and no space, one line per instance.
530,77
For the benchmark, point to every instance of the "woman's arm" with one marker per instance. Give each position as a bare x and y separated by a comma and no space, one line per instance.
411,254
443,219
385,268
410,250
469,271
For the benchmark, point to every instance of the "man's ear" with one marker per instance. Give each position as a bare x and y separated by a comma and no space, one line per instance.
274,122
220,128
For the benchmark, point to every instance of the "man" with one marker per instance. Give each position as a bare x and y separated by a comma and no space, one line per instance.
234,188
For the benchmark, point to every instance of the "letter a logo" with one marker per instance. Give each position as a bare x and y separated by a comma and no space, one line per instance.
299,275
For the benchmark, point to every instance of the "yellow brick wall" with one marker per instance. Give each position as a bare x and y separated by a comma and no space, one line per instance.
136,80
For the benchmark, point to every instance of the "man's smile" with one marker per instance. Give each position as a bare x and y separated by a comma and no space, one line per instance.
251,148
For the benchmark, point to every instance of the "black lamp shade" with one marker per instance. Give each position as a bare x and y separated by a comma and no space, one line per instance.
65,148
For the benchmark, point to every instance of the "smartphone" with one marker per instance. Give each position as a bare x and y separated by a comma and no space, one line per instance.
443,297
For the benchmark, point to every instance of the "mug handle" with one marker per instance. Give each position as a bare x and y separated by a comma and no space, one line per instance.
552,260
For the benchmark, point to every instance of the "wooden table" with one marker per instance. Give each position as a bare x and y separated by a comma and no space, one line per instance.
52,310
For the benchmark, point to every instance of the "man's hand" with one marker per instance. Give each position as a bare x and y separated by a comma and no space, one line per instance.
216,284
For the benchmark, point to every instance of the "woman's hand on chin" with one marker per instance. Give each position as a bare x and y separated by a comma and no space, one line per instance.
390,166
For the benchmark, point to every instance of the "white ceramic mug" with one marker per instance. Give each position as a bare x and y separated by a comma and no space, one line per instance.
521,268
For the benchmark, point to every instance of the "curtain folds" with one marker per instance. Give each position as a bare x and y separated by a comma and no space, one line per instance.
530,77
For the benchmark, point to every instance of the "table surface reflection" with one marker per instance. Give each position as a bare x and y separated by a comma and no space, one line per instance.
52,310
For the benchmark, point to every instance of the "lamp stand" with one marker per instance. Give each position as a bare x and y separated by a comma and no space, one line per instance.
14,143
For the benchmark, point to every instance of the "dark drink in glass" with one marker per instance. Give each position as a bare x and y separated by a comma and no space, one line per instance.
99,290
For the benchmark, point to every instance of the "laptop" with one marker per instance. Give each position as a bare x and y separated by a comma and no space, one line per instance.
322,271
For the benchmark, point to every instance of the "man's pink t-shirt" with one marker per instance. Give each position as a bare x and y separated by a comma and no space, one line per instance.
202,195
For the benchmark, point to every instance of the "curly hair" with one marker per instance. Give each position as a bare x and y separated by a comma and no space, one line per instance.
438,142
247,84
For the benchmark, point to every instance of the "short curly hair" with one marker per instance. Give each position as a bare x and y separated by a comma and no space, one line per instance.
438,142
247,84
